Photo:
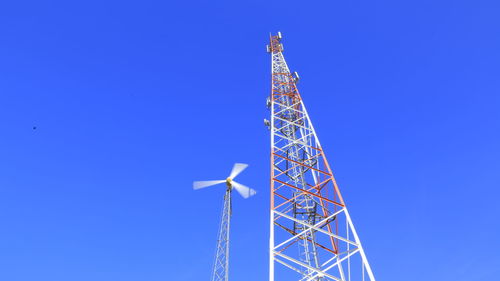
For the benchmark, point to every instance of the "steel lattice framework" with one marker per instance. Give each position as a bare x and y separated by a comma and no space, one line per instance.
221,264
311,232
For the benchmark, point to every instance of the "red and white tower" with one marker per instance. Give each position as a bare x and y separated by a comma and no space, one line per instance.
312,236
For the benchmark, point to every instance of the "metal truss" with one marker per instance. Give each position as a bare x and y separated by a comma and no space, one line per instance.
311,232
221,264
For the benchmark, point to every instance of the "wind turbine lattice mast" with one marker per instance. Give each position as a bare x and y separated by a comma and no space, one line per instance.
221,263
312,235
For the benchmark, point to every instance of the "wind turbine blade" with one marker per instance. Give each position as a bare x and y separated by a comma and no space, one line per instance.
237,169
243,190
202,184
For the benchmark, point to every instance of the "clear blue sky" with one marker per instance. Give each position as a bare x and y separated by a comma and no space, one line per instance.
132,101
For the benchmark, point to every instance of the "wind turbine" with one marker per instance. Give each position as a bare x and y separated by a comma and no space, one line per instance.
221,265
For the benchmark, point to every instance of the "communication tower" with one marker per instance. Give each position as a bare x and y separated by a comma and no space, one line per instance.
312,235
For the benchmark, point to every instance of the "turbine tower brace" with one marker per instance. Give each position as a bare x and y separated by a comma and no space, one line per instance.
221,263
312,235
